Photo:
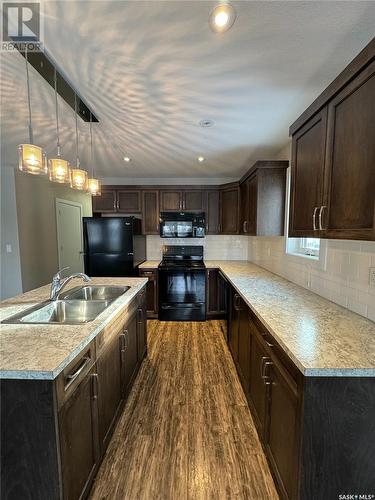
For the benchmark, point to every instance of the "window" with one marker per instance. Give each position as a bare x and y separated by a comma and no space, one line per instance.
306,247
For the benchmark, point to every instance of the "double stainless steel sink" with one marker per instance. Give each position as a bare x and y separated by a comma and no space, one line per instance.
75,306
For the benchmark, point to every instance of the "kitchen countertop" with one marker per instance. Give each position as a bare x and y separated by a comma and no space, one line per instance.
321,338
150,264
43,351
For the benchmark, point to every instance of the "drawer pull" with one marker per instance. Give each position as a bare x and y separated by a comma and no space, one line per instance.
94,386
72,376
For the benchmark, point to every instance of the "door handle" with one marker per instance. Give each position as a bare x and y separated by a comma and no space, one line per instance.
321,216
314,218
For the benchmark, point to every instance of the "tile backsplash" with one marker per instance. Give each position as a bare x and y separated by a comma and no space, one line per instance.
343,277
216,247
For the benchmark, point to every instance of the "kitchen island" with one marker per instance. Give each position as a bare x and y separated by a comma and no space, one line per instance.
63,387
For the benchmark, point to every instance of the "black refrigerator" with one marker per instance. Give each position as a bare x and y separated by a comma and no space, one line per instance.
113,246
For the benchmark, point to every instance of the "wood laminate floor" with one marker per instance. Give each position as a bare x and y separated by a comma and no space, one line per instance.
186,432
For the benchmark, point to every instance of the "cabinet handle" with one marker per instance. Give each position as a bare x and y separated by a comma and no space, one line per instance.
321,216
314,219
114,204
140,315
94,385
207,227
126,338
72,376
219,228
265,362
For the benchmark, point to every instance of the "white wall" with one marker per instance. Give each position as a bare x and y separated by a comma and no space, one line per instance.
220,247
11,283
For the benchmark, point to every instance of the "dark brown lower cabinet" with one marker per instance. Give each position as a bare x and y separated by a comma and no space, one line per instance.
110,365
54,432
317,432
216,294
78,426
152,299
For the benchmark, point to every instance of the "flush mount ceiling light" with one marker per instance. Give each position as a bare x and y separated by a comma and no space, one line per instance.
222,18
59,169
79,176
127,159
31,159
201,158
94,185
206,123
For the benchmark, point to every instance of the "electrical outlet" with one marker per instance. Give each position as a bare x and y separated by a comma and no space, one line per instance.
372,277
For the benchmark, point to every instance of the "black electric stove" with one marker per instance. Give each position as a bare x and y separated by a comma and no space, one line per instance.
182,284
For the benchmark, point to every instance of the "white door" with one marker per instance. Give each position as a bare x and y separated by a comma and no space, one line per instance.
69,235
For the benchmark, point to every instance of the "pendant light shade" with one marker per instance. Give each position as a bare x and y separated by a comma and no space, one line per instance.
31,159
78,178
58,169
94,185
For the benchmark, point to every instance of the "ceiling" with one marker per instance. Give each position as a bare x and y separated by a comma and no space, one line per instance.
152,70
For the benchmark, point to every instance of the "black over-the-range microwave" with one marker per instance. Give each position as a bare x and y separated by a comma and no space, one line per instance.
182,225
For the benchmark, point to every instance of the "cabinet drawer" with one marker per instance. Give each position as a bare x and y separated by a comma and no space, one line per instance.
74,373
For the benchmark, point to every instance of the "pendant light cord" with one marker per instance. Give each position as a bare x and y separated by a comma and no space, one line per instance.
28,98
57,117
75,108
91,147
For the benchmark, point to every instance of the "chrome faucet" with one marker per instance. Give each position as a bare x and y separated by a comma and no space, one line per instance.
58,284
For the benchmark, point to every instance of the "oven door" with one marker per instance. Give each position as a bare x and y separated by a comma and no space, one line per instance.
182,295
176,229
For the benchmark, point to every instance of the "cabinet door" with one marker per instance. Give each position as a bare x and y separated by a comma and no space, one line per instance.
129,201
213,212
230,211
150,209
283,428
193,200
350,162
170,201
212,292
308,151
130,357
222,299
234,326
252,189
258,388
244,347
110,391
244,212
106,202
142,331
78,424
152,304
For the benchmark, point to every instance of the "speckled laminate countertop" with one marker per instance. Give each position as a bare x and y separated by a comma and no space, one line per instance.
321,338
42,351
149,264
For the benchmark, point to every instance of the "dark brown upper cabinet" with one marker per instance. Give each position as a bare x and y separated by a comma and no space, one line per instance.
230,210
105,203
263,199
308,152
129,201
150,211
333,158
170,200
113,200
193,200
349,198
212,211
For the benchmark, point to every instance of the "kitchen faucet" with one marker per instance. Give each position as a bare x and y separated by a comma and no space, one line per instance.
58,284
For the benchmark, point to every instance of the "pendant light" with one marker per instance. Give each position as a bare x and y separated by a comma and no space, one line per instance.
78,176
31,159
59,169
94,185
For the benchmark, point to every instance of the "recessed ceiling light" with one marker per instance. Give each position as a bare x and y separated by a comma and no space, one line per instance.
200,158
222,18
127,159
206,123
